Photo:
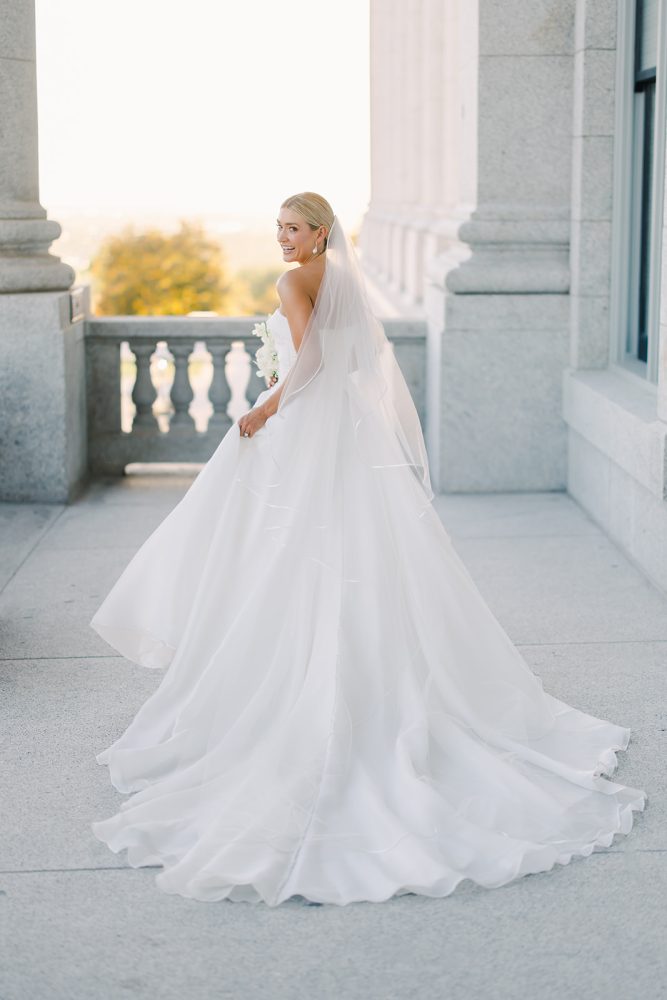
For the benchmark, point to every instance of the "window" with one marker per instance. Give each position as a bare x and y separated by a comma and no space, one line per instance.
641,324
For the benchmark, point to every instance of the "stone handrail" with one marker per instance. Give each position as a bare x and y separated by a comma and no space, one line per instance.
184,417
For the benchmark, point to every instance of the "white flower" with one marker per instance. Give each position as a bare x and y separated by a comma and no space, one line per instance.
266,355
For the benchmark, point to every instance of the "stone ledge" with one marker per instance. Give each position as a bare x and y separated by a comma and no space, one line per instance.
618,416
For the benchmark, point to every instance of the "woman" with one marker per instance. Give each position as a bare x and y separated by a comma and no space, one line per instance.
342,717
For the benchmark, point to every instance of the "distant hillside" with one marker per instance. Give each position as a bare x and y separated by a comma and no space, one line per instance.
246,245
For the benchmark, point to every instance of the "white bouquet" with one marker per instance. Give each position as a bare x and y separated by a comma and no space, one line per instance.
266,355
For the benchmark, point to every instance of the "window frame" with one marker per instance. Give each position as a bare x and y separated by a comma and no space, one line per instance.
626,200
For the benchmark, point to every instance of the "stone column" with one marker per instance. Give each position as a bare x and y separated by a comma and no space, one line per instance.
413,147
42,384
498,304
25,232
432,74
594,76
399,13
371,237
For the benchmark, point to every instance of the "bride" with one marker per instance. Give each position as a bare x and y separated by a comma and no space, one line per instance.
340,715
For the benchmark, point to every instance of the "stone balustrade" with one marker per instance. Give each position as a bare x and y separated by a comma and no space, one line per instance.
166,389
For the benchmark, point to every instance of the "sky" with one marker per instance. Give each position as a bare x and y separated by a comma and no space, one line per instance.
203,106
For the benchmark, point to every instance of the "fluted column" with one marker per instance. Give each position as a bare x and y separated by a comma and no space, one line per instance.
410,276
430,153
25,232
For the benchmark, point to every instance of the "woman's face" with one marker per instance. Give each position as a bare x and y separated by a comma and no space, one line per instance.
296,237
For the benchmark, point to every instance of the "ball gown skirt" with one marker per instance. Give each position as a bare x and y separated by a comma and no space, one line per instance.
340,715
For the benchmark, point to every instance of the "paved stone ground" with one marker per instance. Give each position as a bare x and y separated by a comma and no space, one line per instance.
78,924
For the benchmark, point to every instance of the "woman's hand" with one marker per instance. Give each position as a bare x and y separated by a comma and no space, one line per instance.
272,381
252,421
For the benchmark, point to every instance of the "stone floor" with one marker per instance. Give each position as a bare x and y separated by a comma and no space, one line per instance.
78,924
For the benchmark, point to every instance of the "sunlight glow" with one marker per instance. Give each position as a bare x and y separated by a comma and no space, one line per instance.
204,106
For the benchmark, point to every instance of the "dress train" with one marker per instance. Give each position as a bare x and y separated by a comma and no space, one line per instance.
340,715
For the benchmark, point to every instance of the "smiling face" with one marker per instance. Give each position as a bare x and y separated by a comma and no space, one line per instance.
296,237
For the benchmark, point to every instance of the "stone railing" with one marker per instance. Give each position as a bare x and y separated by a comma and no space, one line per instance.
167,389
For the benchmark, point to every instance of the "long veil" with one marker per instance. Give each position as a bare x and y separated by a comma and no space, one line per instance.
347,359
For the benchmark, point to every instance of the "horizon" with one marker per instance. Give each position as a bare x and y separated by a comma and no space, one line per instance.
147,142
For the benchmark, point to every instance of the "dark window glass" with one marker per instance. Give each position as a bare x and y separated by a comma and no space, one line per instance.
647,34
645,59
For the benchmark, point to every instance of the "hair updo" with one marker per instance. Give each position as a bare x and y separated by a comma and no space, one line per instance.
315,209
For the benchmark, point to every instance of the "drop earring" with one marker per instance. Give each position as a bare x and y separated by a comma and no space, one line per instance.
315,248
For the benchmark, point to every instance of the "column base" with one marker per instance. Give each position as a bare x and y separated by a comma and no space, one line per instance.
25,263
495,366
42,399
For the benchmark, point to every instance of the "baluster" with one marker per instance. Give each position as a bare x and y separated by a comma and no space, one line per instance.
181,390
254,384
143,391
219,391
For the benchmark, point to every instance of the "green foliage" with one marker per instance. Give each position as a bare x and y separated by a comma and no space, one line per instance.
254,291
159,274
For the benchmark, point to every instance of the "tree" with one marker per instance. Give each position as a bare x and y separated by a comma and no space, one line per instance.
254,291
160,274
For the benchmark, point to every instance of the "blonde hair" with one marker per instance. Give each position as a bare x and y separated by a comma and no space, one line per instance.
315,209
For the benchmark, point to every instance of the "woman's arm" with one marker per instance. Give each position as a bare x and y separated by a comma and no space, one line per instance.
297,306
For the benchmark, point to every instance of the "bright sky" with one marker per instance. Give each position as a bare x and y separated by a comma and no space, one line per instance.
203,106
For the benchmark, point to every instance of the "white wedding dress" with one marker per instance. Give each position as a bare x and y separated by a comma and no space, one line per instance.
341,716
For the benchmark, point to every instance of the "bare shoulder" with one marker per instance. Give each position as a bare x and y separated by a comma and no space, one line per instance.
300,284
297,290
291,284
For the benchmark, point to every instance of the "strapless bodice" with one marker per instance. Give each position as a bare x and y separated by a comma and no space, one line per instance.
282,337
